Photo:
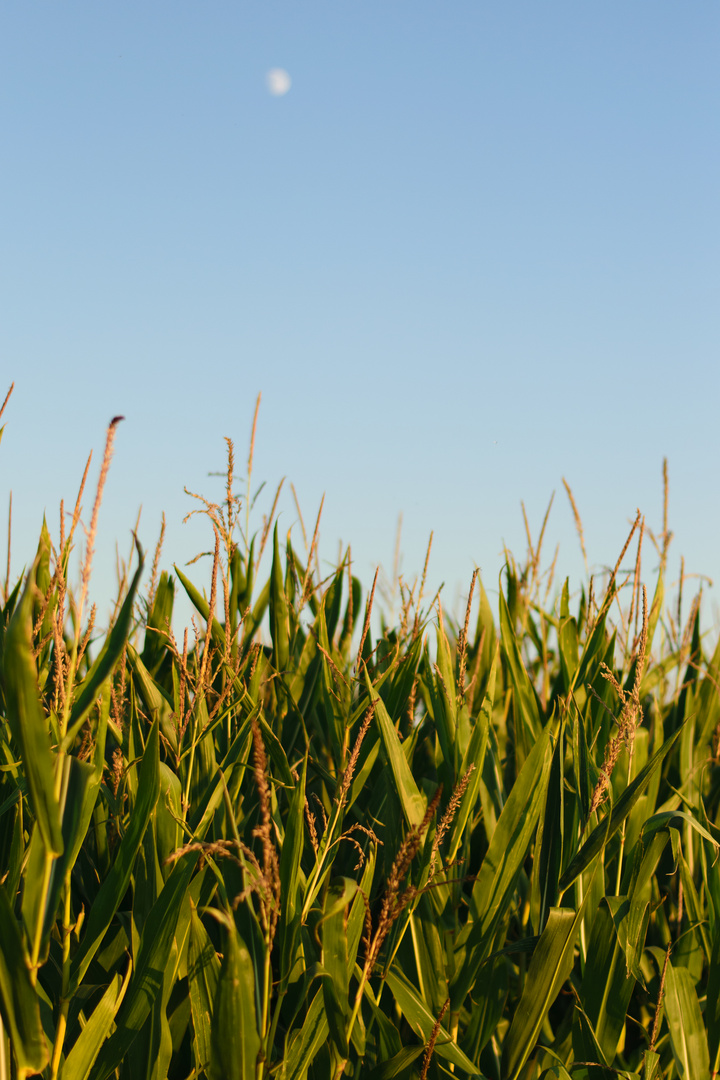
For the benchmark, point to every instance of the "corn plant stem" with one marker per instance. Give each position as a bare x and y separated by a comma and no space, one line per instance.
64,999
267,987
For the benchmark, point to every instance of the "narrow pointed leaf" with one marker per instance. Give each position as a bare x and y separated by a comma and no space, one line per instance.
550,966
606,830
305,1043
106,660
151,969
115,885
28,722
685,1023
335,959
20,1005
422,1021
235,1039
80,1060
203,977
495,884
412,802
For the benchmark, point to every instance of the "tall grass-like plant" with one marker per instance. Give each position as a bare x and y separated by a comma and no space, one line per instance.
285,847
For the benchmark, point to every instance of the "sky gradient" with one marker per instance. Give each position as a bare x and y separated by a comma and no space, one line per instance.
474,249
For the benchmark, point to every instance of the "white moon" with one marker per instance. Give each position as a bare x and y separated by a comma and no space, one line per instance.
278,81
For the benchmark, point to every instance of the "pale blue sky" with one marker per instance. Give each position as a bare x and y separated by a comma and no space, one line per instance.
473,249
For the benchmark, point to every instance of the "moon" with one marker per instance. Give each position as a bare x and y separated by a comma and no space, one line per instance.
278,81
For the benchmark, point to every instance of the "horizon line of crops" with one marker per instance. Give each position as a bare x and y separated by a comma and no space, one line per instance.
322,853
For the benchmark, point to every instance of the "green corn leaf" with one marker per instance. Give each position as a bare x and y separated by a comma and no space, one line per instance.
664,818
235,1039
332,602
607,829
276,753
159,618
485,633
397,1065
488,1008
279,619
607,987
685,1023
82,1057
203,977
80,788
555,1072
525,698
352,611
27,720
362,774
429,954
168,810
567,639
204,761
412,802
446,711
695,911
19,1001
16,852
651,1066
356,918
550,966
305,1043
5,617
385,1033
290,873
422,1021
255,618
712,1007
203,606
106,660
495,884
631,916
395,686
551,828
115,885
585,1044
581,767
43,580
38,894
335,959
153,698
708,705
151,969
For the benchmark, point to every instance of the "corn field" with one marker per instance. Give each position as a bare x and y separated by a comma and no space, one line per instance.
287,846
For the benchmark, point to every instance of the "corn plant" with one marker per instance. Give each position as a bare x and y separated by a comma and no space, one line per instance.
287,847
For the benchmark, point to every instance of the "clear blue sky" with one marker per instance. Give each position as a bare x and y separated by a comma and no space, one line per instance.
475,248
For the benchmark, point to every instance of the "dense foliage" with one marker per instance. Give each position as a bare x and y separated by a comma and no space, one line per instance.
289,847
